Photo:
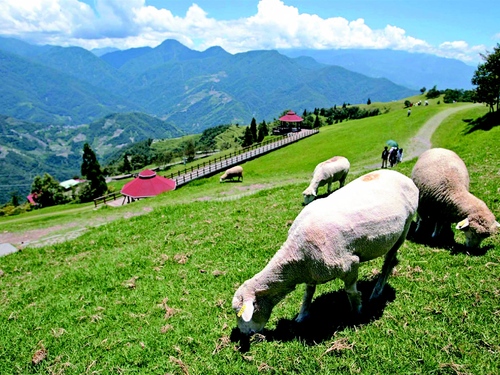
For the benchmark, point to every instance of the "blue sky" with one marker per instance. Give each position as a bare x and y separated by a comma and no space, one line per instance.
456,29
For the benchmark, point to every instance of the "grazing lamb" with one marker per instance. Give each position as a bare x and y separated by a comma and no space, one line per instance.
368,218
232,173
443,181
327,172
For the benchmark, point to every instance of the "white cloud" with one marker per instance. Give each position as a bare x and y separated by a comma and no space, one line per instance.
131,23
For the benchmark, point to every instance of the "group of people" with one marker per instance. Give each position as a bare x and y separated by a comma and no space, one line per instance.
394,155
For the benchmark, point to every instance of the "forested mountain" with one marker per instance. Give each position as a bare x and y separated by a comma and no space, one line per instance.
28,149
414,70
190,89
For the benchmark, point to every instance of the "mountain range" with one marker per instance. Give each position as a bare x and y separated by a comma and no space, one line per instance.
190,89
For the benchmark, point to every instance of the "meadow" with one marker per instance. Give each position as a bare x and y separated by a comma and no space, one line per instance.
151,294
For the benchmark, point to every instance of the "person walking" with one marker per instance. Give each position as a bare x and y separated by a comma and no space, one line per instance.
385,156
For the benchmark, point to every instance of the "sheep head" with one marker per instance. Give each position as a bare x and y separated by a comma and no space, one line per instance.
309,195
251,315
476,229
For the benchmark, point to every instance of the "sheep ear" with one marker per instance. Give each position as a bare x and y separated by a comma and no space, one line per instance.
497,224
246,311
463,224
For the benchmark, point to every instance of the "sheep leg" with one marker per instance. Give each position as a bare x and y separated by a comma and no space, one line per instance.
342,181
306,303
350,287
329,186
354,297
437,230
389,263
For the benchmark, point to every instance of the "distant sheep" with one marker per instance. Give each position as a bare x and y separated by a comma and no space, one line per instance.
328,240
327,172
231,173
443,181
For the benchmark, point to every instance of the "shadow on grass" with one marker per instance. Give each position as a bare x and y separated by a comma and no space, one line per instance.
322,196
329,313
445,241
486,122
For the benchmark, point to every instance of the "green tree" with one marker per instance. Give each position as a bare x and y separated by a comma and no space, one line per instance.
317,123
126,167
189,149
91,170
263,131
253,129
247,138
422,90
433,93
487,79
407,103
368,101
14,198
47,191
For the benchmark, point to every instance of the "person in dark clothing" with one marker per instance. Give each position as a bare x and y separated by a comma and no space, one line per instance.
385,156
393,157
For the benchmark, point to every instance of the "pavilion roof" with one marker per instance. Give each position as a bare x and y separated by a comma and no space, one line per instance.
291,116
147,184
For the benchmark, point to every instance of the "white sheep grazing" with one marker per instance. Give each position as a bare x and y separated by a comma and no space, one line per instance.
234,172
368,218
327,172
443,181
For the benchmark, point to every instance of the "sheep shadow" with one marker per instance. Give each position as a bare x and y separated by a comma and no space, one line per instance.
329,313
446,242
326,194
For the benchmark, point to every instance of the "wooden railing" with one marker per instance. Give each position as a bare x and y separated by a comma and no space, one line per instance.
216,165
109,197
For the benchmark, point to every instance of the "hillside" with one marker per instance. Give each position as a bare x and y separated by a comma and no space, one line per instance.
123,296
28,150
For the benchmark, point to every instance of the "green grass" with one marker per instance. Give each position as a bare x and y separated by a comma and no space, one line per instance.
152,294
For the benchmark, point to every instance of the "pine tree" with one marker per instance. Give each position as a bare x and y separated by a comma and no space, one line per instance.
247,138
317,123
126,168
263,131
253,130
91,170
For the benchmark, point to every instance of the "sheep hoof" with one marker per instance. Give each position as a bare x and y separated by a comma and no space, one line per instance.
302,318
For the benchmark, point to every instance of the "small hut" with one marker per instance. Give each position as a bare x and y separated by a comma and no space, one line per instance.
147,184
289,123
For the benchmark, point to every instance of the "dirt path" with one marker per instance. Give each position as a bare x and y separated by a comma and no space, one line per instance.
422,140
41,237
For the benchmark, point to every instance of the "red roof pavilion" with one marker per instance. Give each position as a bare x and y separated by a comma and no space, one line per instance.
291,116
147,184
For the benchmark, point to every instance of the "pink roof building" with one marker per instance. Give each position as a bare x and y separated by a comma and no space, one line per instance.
147,184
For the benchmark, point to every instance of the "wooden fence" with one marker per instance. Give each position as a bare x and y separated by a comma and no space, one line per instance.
220,164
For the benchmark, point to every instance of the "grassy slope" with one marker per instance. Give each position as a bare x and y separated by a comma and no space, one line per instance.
152,294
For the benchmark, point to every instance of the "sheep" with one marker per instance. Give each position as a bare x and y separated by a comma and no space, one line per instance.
327,172
443,181
232,173
368,218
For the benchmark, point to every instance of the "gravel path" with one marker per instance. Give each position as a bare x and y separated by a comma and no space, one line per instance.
41,237
422,140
